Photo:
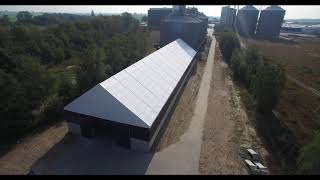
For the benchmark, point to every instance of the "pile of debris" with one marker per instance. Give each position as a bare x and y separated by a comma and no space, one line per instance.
255,167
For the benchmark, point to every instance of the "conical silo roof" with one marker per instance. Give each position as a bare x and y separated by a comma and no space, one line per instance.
274,8
248,8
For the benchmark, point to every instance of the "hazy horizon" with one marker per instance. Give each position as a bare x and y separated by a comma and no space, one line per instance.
292,12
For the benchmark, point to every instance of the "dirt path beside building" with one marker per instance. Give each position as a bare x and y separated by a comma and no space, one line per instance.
19,160
219,153
227,129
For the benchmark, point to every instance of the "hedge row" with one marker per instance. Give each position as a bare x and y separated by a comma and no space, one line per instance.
264,78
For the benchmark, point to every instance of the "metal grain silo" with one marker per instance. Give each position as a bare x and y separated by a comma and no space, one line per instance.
223,16
155,15
228,16
247,18
231,17
203,18
181,25
270,22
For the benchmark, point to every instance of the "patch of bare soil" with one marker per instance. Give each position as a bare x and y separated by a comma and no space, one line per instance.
220,152
228,130
20,159
182,115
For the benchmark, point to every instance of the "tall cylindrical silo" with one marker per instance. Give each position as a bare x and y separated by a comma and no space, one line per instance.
183,26
270,22
223,16
231,17
247,18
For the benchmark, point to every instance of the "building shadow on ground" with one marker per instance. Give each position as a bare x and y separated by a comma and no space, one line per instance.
100,155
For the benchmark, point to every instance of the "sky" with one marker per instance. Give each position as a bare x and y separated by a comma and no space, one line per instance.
292,12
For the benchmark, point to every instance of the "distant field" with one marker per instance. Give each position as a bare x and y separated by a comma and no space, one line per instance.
298,106
301,57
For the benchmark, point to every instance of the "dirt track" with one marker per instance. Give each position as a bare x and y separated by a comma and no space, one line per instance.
220,154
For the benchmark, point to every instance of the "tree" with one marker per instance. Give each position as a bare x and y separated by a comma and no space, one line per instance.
24,17
13,110
4,20
239,64
253,59
309,159
144,18
92,13
37,81
268,85
229,42
91,70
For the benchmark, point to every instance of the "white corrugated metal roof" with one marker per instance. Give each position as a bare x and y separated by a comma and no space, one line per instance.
137,94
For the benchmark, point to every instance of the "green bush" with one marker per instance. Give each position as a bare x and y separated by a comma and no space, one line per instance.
309,159
267,85
229,42
239,64
253,59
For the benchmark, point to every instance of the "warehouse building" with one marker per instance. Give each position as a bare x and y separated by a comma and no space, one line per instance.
133,105
155,15
182,24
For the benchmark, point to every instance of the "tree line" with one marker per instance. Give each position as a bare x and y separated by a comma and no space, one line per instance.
265,80
44,67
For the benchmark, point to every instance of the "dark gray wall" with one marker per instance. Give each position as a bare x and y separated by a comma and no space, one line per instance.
247,22
155,16
189,32
270,23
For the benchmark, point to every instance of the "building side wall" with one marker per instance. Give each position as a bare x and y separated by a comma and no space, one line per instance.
155,17
106,127
189,32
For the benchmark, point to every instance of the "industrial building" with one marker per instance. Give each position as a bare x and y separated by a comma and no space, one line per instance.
133,105
204,20
228,17
270,22
155,15
246,22
190,27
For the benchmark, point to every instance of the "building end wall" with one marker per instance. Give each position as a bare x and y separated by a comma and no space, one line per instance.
74,128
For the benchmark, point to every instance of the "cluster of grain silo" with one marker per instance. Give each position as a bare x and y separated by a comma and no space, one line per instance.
246,22
189,26
270,22
155,15
249,24
228,17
